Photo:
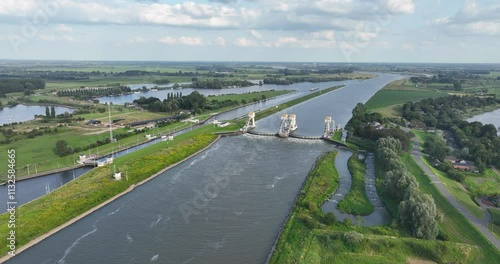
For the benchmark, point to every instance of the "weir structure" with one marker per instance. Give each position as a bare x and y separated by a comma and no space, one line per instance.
250,122
288,125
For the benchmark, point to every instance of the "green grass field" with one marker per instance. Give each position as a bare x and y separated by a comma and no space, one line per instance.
38,152
384,98
356,201
495,221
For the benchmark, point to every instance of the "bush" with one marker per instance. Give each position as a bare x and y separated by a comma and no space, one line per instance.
353,237
329,218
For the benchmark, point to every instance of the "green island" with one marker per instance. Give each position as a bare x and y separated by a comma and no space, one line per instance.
356,201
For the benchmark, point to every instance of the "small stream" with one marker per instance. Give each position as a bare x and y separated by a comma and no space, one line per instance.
380,215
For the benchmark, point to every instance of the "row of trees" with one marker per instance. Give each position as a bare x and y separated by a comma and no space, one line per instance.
20,85
478,142
417,211
89,93
219,83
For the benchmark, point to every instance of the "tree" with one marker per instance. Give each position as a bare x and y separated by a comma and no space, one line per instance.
62,149
397,182
28,92
457,86
260,83
52,112
47,112
418,213
264,97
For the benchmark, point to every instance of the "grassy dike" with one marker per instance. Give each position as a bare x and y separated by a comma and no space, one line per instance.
454,227
309,236
356,201
323,179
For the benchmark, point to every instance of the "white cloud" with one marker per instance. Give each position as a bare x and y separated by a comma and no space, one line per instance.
190,41
407,46
168,40
17,8
384,44
401,6
441,20
244,42
325,34
70,38
220,41
63,28
46,37
184,40
50,37
472,20
256,34
138,40
484,27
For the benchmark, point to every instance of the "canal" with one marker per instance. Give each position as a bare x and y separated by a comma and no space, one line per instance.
224,205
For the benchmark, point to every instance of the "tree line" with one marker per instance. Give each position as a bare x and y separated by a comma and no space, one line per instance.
417,211
218,83
84,94
20,85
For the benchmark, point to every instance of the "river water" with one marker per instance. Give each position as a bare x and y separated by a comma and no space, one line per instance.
162,94
488,118
21,113
337,104
250,182
253,182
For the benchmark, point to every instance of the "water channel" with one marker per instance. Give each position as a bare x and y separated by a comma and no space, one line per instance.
250,183
488,118
21,113
162,94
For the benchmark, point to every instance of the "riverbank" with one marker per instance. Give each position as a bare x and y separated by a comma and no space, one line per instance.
51,213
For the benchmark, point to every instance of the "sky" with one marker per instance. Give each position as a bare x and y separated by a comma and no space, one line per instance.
454,31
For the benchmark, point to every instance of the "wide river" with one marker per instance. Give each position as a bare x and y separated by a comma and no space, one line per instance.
224,205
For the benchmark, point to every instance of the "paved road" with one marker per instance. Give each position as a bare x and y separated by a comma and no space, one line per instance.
480,224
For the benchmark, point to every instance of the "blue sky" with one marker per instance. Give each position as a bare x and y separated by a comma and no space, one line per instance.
252,30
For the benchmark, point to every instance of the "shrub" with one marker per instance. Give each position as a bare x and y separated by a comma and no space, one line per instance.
353,237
